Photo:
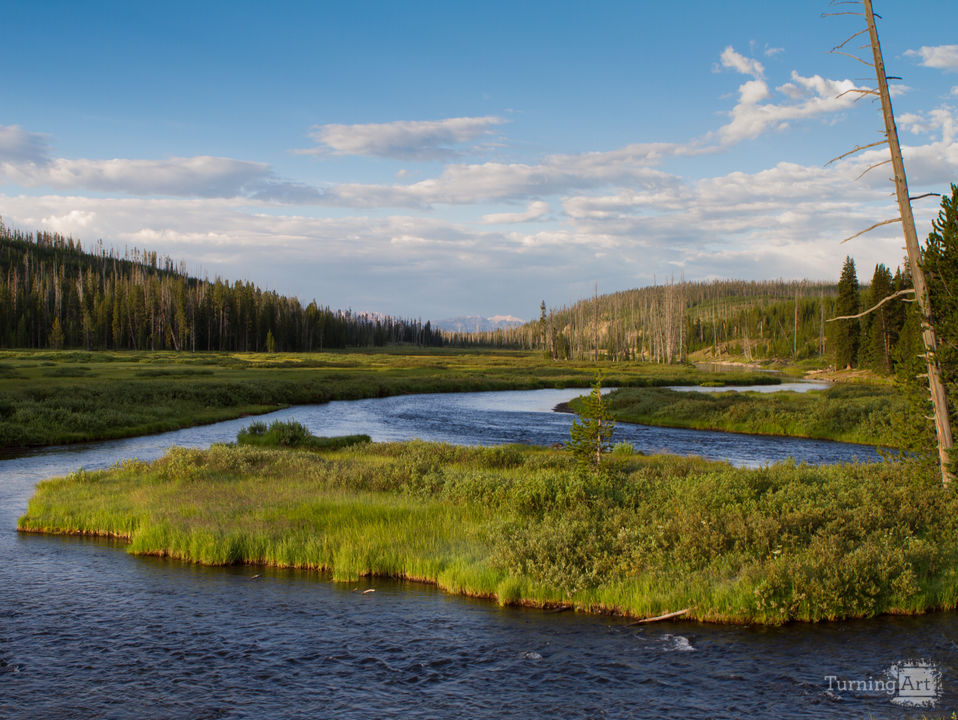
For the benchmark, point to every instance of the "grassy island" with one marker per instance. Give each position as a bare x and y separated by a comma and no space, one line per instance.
521,525
858,413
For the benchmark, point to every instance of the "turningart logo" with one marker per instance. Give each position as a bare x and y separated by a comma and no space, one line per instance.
912,683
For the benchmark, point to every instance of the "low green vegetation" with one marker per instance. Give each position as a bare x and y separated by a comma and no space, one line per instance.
869,414
53,397
645,536
291,434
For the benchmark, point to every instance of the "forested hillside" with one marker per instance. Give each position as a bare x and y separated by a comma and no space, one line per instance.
721,319
55,295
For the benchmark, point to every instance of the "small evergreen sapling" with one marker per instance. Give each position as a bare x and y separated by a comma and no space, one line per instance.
591,431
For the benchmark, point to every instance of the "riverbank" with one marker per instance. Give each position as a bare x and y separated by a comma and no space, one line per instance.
855,413
521,526
49,397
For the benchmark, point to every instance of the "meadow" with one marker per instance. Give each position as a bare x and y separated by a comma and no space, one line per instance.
525,526
56,397
849,412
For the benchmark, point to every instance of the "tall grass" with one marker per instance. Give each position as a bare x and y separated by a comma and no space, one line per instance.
850,413
524,526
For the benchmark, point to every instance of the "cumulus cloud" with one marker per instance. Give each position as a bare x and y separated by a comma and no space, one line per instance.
804,97
941,119
944,57
18,146
536,211
403,140
740,63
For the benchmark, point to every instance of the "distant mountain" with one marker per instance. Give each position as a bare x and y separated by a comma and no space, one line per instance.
477,323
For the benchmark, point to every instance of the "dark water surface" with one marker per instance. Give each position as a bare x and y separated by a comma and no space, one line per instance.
87,631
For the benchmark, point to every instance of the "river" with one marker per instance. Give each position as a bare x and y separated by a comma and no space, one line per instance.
87,631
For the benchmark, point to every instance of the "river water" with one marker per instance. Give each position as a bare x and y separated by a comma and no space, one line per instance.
87,631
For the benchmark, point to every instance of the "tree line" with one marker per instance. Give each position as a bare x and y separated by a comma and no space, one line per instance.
53,294
721,319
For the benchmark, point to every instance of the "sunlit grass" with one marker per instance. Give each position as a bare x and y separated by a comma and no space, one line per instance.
848,413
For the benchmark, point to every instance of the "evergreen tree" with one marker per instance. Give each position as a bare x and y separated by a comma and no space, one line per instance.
845,333
939,260
591,431
52,294
56,335
879,333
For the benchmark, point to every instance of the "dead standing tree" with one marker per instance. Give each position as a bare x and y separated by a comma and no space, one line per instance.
929,338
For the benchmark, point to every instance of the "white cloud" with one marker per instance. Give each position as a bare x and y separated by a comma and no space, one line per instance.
73,222
200,176
784,221
17,145
741,64
807,97
943,119
944,57
404,140
472,183
536,211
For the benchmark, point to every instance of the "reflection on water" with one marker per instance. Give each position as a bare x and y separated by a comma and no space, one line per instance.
88,631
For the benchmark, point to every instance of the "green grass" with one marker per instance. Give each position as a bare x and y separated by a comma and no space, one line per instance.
49,397
850,413
523,526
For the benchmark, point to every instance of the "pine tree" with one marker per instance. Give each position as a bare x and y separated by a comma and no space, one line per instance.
880,333
591,431
56,335
939,259
845,333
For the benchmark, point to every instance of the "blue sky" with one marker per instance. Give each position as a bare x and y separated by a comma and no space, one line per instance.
432,159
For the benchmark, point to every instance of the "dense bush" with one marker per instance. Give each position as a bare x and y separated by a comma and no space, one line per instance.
291,434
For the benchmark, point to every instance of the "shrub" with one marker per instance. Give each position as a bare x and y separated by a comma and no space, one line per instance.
292,434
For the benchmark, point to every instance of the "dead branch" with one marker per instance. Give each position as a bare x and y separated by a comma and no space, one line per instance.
906,291
872,167
923,195
878,224
853,57
667,616
857,148
860,32
862,91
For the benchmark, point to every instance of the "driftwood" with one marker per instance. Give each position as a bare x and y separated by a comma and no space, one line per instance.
667,616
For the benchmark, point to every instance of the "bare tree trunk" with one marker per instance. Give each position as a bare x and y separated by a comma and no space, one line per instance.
595,323
821,330
795,329
935,384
